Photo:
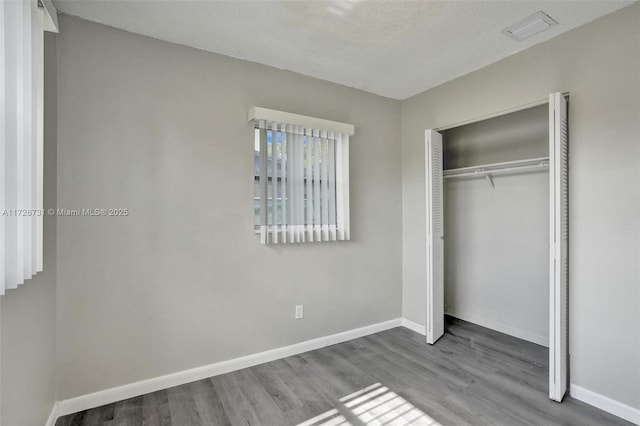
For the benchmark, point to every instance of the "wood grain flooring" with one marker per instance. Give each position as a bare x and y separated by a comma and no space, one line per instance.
472,376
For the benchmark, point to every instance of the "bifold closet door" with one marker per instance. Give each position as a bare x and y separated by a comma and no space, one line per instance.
435,236
559,247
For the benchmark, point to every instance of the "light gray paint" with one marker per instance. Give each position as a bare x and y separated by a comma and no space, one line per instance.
514,136
497,239
28,313
599,64
183,281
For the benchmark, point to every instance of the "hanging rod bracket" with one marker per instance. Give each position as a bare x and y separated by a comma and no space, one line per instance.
490,180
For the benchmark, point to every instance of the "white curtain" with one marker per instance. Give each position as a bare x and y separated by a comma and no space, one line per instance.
303,183
21,147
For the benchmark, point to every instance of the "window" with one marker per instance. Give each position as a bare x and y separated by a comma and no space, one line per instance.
301,178
21,137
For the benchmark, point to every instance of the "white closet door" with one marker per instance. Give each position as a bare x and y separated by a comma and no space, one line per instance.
559,242
435,237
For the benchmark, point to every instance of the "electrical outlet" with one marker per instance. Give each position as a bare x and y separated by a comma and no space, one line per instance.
299,311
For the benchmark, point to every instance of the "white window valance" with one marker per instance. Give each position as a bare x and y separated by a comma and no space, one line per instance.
301,121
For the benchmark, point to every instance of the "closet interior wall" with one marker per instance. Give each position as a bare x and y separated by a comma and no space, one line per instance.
497,239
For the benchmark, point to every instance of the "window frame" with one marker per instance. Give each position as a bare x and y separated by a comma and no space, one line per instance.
298,224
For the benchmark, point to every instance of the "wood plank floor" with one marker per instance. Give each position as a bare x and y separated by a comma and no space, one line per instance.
472,376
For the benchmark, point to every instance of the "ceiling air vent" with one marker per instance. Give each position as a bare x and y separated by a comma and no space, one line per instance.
530,26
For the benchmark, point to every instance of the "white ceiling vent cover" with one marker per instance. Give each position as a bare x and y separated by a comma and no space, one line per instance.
530,26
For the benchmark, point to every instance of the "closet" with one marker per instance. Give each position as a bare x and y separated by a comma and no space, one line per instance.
497,227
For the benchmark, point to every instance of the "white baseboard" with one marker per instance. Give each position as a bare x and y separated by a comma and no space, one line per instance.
108,396
131,390
414,326
502,328
605,403
53,416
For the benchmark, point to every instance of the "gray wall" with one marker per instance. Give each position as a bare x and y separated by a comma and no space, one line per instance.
599,64
183,281
497,239
514,136
28,313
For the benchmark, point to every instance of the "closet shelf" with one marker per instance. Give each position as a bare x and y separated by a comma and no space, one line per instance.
487,170
504,167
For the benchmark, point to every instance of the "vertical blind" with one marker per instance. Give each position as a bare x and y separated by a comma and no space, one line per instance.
302,178
21,148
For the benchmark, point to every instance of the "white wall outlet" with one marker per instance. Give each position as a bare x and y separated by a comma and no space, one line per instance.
299,311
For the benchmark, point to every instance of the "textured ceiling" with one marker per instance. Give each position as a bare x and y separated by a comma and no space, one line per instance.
393,48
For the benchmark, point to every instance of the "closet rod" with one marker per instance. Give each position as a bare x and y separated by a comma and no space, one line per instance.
507,166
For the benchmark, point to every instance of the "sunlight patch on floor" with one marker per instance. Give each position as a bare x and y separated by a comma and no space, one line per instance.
328,418
375,405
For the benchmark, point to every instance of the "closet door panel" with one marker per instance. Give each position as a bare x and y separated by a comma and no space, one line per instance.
435,236
559,247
